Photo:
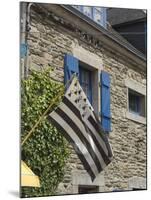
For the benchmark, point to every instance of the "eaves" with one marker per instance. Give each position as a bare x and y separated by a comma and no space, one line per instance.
106,32
130,22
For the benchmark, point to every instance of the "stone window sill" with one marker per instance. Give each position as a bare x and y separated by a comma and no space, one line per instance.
82,178
136,117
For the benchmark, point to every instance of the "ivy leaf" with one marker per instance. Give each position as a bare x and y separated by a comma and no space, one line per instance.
46,151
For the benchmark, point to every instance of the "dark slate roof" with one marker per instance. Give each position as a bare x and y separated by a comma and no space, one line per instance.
119,37
117,16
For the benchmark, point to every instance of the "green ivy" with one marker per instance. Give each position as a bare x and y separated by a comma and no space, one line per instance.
46,151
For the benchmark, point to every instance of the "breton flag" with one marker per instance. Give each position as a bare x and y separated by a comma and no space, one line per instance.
76,119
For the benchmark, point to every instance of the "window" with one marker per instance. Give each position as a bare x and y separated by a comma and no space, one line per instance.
90,77
87,11
87,189
82,183
136,183
86,82
136,102
97,14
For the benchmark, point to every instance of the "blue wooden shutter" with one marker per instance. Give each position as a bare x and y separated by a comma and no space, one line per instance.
71,66
105,101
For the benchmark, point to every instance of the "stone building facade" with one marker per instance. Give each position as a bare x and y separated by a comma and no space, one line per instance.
53,31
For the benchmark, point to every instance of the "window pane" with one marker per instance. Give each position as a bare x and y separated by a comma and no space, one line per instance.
87,11
99,9
136,102
85,77
97,16
85,81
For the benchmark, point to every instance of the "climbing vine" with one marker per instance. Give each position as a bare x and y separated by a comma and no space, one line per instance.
46,151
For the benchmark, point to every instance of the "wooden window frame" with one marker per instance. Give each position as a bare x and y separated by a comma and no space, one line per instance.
140,89
103,19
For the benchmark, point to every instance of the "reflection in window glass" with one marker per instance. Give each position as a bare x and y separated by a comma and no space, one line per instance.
97,16
85,82
136,103
98,8
87,11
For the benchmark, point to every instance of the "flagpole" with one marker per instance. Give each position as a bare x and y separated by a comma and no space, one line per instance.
51,104
36,124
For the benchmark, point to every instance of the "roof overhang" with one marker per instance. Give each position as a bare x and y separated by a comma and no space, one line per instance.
75,17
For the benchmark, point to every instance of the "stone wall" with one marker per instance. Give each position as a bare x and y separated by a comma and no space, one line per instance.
128,138
48,42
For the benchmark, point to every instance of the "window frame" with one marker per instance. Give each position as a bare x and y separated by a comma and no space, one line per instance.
140,89
91,15
139,183
83,70
102,11
93,63
94,93
81,177
138,101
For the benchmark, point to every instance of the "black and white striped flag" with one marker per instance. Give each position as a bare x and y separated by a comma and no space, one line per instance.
76,119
